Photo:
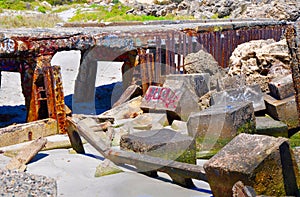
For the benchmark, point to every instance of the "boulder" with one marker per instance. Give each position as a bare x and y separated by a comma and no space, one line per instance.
265,163
199,83
260,61
215,126
203,62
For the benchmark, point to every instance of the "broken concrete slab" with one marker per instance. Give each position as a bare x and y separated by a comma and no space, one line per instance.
271,127
248,93
178,104
15,134
25,155
146,121
198,82
265,163
214,127
164,143
281,88
284,110
107,168
129,109
131,92
180,126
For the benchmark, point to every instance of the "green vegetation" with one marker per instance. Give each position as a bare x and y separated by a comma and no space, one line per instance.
116,13
42,20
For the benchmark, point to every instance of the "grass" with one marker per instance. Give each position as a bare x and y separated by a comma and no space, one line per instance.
41,20
116,13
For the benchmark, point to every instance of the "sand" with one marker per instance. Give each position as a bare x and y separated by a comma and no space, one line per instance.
74,173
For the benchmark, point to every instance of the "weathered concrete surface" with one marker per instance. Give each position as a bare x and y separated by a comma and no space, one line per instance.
146,121
281,88
265,163
180,126
243,94
164,143
271,127
130,109
214,127
178,103
131,92
107,168
284,110
200,82
19,133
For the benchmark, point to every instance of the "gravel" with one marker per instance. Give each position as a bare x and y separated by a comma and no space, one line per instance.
19,184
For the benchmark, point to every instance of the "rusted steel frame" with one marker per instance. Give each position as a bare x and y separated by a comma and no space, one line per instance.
179,52
33,113
144,72
50,95
167,65
190,44
172,53
143,162
292,37
184,52
151,67
60,108
158,60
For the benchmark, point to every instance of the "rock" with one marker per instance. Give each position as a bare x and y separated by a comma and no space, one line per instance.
284,110
215,126
204,101
260,61
146,121
199,83
240,190
249,93
131,92
130,109
265,163
178,104
281,88
107,168
180,126
271,127
164,143
203,62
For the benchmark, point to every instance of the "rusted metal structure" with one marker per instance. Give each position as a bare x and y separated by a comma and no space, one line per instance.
293,41
160,47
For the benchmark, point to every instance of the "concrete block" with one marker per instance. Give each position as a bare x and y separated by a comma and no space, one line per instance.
242,94
107,168
265,163
131,92
178,104
271,127
180,126
214,127
146,121
129,109
284,110
164,143
199,82
281,88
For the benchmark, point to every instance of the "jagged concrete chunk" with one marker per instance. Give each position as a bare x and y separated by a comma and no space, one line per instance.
178,104
130,109
214,127
265,163
269,126
107,168
131,92
242,94
284,110
180,126
199,83
281,88
164,143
